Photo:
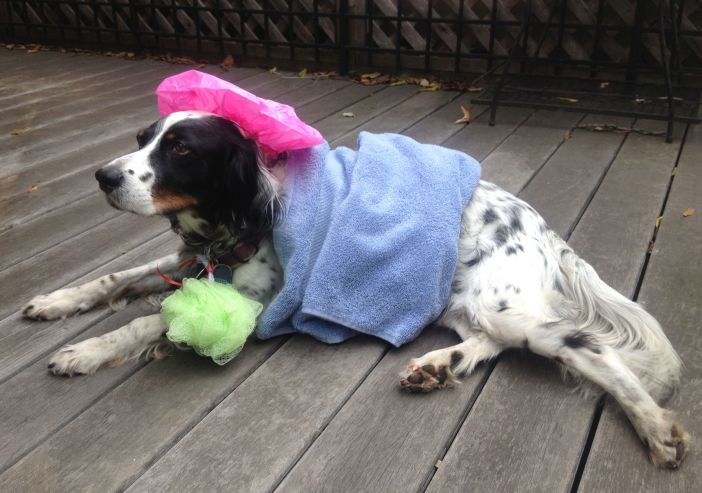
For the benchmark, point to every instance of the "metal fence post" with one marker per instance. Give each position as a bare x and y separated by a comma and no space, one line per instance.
342,31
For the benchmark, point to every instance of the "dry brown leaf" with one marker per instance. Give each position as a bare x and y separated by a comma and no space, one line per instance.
604,85
274,70
19,130
323,75
658,221
466,115
424,83
399,82
227,63
33,188
371,75
474,89
348,114
202,65
567,100
302,73
688,212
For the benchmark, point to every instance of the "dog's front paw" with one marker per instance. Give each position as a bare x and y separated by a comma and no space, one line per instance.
84,357
668,448
59,304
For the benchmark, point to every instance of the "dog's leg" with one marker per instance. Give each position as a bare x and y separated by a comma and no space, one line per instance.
658,428
437,368
138,281
141,335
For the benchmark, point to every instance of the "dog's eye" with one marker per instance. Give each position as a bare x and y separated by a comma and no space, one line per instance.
180,148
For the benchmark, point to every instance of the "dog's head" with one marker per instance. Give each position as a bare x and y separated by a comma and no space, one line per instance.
192,161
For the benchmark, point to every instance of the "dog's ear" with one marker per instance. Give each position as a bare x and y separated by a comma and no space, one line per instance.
145,135
245,192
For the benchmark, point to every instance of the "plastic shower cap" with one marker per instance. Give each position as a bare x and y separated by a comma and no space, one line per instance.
274,126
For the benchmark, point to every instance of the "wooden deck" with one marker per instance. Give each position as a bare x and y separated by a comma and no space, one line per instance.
292,414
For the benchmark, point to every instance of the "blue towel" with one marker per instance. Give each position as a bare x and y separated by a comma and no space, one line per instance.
369,238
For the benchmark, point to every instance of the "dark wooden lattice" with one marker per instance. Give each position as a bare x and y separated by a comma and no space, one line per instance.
308,30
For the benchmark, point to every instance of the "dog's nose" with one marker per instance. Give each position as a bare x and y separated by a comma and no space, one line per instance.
109,178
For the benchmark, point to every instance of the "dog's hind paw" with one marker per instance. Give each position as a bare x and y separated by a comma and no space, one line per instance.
668,449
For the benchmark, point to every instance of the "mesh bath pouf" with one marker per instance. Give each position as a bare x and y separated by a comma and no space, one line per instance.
212,318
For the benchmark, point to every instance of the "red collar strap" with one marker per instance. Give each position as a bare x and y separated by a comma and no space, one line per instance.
240,255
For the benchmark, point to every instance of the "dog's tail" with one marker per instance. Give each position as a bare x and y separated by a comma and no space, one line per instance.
615,321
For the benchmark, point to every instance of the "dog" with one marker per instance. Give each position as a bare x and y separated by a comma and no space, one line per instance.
516,284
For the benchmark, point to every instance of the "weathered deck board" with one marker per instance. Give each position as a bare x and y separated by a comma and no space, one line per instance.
521,155
337,125
313,417
31,401
398,118
441,124
104,456
572,174
671,291
542,439
480,139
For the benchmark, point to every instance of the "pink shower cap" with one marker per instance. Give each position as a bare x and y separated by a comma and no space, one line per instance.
274,126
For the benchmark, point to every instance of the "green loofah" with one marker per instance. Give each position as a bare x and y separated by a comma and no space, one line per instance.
212,318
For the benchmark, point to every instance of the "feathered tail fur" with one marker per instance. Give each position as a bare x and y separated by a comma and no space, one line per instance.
611,319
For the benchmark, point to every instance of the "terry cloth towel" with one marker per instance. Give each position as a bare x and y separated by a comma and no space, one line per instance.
369,238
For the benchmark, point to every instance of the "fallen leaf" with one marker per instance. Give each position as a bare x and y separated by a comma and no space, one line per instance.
19,131
424,83
474,89
302,73
466,115
399,82
33,188
323,75
372,75
274,70
688,212
433,86
202,65
227,63
658,221
604,85
9,46
568,134
348,114
567,100
130,54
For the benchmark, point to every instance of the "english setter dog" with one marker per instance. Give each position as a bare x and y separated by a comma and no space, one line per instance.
516,285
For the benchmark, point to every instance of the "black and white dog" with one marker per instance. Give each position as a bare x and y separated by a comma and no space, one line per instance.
517,284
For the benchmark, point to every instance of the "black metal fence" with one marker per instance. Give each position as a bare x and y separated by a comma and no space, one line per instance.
458,36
